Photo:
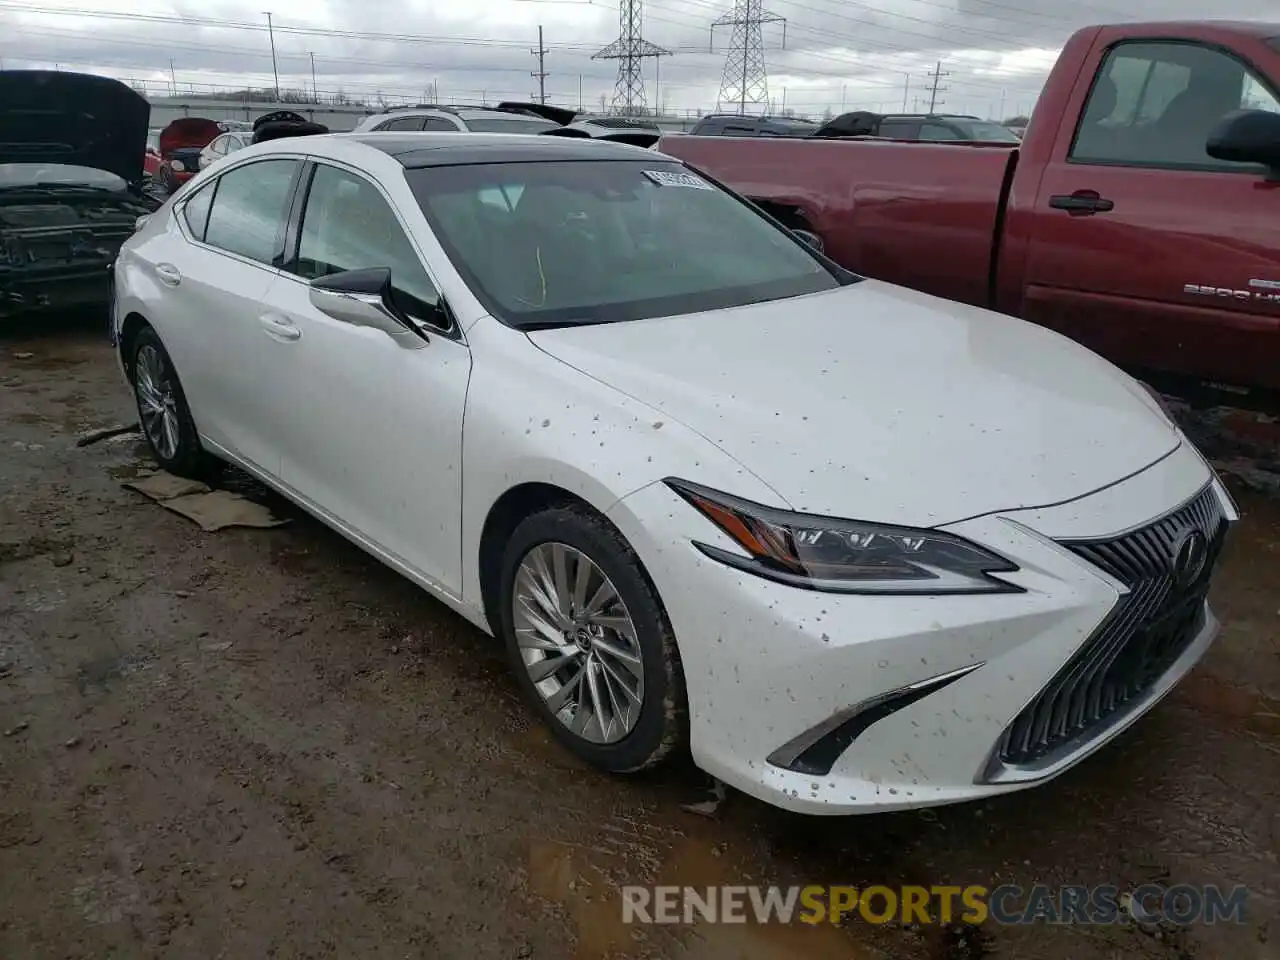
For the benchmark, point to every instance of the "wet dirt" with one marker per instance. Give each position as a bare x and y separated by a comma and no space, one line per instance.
260,743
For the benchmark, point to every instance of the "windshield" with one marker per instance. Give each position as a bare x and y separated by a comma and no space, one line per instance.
509,125
988,131
600,241
49,174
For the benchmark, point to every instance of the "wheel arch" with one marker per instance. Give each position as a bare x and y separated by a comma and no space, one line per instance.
134,323
506,513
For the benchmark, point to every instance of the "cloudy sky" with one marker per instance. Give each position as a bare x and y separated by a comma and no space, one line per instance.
837,54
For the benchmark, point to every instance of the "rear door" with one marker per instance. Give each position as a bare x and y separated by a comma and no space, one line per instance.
215,326
1142,246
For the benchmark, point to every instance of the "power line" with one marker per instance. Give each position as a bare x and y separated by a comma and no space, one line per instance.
746,78
541,73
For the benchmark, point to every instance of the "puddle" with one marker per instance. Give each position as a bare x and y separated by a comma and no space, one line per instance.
587,883
1241,708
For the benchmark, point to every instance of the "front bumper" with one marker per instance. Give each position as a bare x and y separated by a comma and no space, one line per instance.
41,289
929,686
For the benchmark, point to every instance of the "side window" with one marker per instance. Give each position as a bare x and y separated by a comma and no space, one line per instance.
1153,104
900,129
196,210
403,123
739,131
348,225
938,131
248,212
438,123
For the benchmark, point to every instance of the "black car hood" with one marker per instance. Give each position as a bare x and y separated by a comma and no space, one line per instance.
50,116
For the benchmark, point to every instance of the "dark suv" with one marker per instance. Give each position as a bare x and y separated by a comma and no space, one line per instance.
940,126
737,125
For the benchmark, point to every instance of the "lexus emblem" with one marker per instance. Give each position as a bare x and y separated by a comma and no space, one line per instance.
1189,558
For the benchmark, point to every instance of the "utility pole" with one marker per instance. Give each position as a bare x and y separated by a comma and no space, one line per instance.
657,86
906,90
173,80
1002,94
275,70
937,75
315,94
541,74
581,106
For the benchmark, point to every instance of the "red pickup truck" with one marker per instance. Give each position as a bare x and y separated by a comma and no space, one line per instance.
1140,215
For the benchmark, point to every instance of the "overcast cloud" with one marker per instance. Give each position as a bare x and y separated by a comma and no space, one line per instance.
837,55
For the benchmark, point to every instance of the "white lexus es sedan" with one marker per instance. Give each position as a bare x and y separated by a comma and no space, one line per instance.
858,548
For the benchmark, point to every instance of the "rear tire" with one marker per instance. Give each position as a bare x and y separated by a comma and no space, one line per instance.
163,413
589,641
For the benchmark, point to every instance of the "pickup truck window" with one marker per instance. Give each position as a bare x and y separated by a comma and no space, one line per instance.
1153,104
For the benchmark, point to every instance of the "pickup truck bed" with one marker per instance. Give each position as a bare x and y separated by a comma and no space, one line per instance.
931,221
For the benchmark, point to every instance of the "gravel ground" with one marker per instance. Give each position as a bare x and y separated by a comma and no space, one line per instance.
259,743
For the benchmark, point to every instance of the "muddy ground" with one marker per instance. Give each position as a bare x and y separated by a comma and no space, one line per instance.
260,743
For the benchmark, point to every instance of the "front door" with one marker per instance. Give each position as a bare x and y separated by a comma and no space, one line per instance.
374,430
1145,248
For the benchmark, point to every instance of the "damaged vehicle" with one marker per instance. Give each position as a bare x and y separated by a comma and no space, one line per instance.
71,158
181,144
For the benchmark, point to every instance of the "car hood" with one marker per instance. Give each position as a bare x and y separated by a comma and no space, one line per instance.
188,133
878,403
48,116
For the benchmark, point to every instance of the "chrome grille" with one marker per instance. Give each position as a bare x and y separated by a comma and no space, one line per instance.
1146,631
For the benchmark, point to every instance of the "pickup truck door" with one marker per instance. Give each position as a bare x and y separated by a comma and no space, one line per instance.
1143,247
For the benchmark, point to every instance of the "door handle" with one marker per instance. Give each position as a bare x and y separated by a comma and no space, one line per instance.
169,275
278,327
1082,203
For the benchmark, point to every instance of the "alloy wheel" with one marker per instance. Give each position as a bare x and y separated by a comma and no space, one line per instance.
578,643
157,404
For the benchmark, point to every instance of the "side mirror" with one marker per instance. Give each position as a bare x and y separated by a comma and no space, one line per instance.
363,298
141,222
809,238
1247,136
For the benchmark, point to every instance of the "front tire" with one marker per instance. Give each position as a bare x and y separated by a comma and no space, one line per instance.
589,641
163,413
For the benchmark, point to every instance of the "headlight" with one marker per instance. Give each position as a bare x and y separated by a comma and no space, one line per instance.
177,166
845,556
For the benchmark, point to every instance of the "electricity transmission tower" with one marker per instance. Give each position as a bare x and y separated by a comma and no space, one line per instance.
630,50
935,76
745,79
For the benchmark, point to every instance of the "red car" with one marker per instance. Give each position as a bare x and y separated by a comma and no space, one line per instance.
175,159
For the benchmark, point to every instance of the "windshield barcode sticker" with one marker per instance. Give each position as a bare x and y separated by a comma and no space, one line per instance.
665,178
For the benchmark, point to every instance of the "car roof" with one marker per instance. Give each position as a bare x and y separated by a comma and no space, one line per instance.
464,113
413,149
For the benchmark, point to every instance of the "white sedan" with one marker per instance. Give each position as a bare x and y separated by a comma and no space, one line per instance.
854,547
222,145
